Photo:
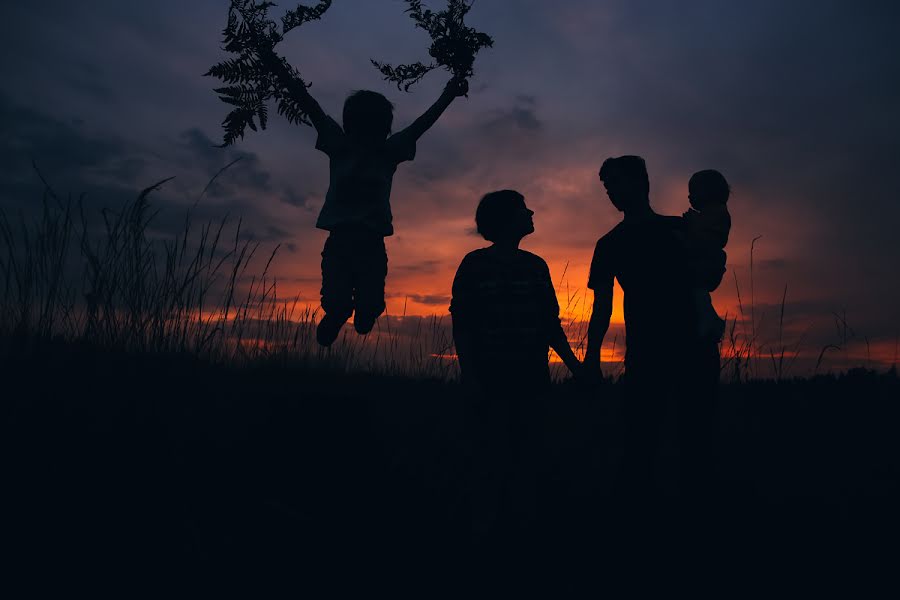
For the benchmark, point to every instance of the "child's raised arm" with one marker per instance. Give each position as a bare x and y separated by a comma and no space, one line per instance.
453,89
318,117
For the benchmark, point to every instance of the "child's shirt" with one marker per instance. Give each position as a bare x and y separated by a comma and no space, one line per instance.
359,188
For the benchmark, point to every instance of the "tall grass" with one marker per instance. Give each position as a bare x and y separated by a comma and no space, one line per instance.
758,344
111,286
103,281
750,355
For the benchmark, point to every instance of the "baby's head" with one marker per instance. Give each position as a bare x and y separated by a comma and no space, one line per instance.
708,188
368,115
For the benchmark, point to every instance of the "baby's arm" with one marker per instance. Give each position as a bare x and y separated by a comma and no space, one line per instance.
454,88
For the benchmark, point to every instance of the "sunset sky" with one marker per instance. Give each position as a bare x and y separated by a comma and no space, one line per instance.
795,101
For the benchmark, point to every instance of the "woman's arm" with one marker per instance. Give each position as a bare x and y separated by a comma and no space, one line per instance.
562,348
461,309
558,340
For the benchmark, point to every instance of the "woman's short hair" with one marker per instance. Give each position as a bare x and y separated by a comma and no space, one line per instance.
494,212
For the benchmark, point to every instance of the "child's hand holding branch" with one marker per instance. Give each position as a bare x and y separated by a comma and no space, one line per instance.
458,87
453,44
257,74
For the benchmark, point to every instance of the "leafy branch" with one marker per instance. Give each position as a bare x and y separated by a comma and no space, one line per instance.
453,44
258,75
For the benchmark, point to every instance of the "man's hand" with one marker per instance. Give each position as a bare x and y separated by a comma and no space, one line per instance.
457,87
591,373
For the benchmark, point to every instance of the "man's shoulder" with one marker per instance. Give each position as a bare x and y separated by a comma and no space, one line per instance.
613,235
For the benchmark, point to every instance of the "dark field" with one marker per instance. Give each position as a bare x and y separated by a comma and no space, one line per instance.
184,426
155,468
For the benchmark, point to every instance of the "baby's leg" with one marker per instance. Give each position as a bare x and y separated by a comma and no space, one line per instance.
370,270
337,288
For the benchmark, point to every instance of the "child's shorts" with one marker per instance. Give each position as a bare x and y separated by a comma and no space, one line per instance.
354,267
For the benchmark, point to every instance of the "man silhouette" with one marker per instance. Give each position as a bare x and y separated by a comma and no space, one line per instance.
663,363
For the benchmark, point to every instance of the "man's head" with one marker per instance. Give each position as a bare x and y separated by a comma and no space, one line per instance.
368,115
626,182
502,215
708,188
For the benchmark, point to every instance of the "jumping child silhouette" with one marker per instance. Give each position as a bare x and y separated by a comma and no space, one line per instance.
363,157
707,224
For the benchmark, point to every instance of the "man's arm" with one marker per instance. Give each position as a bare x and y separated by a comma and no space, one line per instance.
454,88
599,323
601,280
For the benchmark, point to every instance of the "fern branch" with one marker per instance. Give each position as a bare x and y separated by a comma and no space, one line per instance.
453,44
258,74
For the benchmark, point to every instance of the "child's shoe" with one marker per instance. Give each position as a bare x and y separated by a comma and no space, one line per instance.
328,329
